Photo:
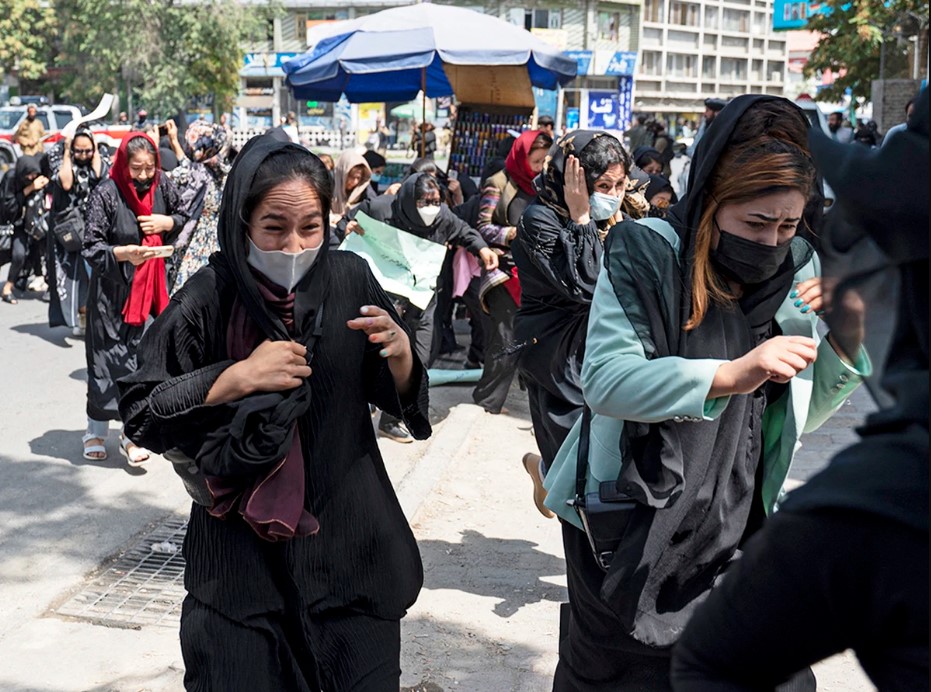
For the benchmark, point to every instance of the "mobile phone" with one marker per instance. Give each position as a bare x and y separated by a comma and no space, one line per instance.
163,129
453,174
162,250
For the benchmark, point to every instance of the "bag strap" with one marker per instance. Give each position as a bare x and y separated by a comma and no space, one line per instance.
581,464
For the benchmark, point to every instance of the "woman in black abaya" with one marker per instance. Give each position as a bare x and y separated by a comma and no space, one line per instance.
299,563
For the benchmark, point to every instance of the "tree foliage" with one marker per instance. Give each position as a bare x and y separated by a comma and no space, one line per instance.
853,33
166,51
26,27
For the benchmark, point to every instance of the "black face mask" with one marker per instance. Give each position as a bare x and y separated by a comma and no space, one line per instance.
142,186
745,261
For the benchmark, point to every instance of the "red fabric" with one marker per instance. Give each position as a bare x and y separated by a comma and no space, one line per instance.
141,206
513,286
517,164
148,294
272,505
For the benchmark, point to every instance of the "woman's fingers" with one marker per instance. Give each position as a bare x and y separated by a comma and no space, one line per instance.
809,296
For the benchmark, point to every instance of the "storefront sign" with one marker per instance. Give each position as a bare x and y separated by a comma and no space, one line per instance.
602,110
583,58
545,100
625,101
623,62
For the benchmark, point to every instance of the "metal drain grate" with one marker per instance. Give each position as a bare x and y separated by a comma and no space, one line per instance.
143,586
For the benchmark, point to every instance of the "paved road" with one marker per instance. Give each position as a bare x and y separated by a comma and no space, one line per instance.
486,619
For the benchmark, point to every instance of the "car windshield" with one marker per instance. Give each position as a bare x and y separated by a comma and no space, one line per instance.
9,118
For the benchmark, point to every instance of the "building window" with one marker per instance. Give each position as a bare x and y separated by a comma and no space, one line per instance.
711,17
733,69
651,63
653,10
736,20
708,67
300,27
542,19
678,65
609,25
683,13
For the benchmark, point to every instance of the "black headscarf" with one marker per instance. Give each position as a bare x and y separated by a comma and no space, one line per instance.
551,182
883,194
26,165
232,232
404,207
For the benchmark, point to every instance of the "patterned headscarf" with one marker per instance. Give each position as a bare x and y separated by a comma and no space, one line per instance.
210,138
550,183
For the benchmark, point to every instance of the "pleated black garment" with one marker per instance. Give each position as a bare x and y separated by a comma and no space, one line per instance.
110,344
319,612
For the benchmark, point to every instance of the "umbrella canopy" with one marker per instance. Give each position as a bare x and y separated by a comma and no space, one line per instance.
421,46
413,110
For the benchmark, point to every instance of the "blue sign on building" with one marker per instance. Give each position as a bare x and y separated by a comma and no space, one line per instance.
545,101
623,63
583,58
625,101
602,110
792,14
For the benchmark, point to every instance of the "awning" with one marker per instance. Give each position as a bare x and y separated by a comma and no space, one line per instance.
260,71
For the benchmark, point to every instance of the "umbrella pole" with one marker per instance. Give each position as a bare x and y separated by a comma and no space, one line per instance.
423,122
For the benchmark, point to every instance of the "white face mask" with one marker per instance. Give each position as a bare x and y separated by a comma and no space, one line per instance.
428,214
603,206
285,269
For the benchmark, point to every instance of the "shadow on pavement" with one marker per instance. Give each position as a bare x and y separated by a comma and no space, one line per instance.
80,375
505,569
67,445
54,335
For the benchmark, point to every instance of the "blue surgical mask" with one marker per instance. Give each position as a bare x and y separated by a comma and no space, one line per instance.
376,177
603,206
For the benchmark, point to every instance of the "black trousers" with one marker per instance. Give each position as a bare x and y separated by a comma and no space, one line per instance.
290,651
492,389
594,653
20,251
479,322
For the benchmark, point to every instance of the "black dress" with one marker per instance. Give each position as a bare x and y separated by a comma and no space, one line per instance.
110,343
67,273
558,262
270,616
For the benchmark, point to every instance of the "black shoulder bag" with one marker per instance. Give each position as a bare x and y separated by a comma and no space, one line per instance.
69,229
191,476
604,514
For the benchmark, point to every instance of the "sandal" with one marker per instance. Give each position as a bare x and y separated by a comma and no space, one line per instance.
90,450
8,298
135,455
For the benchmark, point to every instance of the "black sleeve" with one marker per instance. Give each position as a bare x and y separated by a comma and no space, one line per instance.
808,586
461,234
414,407
566,253
174,207
162,403
98,251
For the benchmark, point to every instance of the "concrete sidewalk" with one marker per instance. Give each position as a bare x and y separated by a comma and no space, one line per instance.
487,619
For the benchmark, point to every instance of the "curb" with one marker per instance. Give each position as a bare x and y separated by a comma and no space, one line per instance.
444,448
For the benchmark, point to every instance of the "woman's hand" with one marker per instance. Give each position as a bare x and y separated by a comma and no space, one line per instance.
489,258
455,191
134,254
274,366
156,223
354,227
392,189
575,192
171,129
809,296
778,359
395,345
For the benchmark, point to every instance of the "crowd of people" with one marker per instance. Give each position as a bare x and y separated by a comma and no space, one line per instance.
673,350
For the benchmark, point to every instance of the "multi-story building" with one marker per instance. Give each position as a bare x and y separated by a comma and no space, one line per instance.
690,50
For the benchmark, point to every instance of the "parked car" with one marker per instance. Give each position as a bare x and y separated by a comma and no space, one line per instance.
53,119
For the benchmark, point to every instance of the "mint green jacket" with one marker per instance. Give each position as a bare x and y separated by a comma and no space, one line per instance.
619,383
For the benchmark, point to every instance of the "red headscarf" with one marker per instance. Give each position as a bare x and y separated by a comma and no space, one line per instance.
517,164
141,206
148,294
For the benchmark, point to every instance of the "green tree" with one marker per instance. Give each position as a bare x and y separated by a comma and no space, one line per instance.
166,52
853,35
26,27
